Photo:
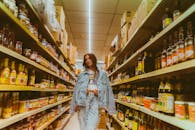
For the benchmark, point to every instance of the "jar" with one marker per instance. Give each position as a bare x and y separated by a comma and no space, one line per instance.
23,106
27,52
33,56
180,109
191,109
19,47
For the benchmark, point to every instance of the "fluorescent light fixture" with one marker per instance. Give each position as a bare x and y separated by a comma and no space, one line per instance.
89,26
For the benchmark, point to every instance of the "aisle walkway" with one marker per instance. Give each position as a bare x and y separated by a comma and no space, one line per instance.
73,124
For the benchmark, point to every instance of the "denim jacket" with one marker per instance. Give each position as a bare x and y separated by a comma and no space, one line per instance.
105,94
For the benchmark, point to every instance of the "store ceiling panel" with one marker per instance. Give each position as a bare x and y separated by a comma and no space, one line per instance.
106,15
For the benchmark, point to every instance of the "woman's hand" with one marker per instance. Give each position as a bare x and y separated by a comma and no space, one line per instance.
76,108
93,91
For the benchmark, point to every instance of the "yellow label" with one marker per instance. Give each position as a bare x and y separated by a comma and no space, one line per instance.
135,125
13,77
5,76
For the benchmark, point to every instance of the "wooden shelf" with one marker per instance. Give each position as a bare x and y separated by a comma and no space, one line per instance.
181,68
183,124
44,126
139,30
15,55
154,42
29,88
119,122
6,122
46,31
14,19
64,122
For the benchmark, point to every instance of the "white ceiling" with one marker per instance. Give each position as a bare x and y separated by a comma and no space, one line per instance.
106,15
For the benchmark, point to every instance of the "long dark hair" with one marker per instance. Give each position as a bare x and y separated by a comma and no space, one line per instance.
93,58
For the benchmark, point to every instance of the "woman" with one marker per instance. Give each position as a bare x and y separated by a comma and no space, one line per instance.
92,94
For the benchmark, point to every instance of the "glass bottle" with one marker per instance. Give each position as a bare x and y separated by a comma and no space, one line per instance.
167,18
175,48
130,124
5,73
181,46
164,55
169,98
176,12
7,105
19,78
11,38
13,73
169,52
5,40
160,97
25,75
189,42
140,65
32,78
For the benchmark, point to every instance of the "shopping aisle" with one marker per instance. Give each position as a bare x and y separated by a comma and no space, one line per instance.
73,124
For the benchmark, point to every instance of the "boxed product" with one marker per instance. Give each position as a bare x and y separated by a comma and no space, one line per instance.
126,17
60,16
115,45
124,34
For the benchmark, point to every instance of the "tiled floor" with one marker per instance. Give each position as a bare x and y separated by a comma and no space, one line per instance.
73,124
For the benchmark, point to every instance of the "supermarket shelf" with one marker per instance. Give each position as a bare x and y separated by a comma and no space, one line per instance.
46,30
28,61
129,44
44,126
119,122
6,122
65,122
154,42
182,68
30,88
5,11
183,124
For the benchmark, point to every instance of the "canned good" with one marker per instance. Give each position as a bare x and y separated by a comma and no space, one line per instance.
191,109
180,109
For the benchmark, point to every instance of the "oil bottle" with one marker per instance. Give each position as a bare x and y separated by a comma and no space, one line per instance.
13,73
5,73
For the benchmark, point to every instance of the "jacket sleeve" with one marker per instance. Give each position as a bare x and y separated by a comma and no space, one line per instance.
111,107
73,101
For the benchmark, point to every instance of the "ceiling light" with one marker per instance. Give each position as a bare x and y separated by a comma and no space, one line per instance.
89,26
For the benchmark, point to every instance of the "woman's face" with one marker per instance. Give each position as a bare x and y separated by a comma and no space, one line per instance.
88,61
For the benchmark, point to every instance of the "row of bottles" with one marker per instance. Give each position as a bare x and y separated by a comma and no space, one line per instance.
9,104
136,120
10,74
7,39
145,64
180,48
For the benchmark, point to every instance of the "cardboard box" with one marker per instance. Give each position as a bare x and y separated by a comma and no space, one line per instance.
126,17
60,16
124,34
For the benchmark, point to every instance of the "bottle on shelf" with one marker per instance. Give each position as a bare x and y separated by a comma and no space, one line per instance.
147,62
20,76
176,12
5,73
130,123
164,55
181,46
25,75
135,121
160,97
189,42
167,18
175,48
13,73
32,78
169,98
7,105
5,40
140,65
169,52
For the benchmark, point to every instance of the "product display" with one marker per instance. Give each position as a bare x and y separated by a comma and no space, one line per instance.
148,76
36,79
